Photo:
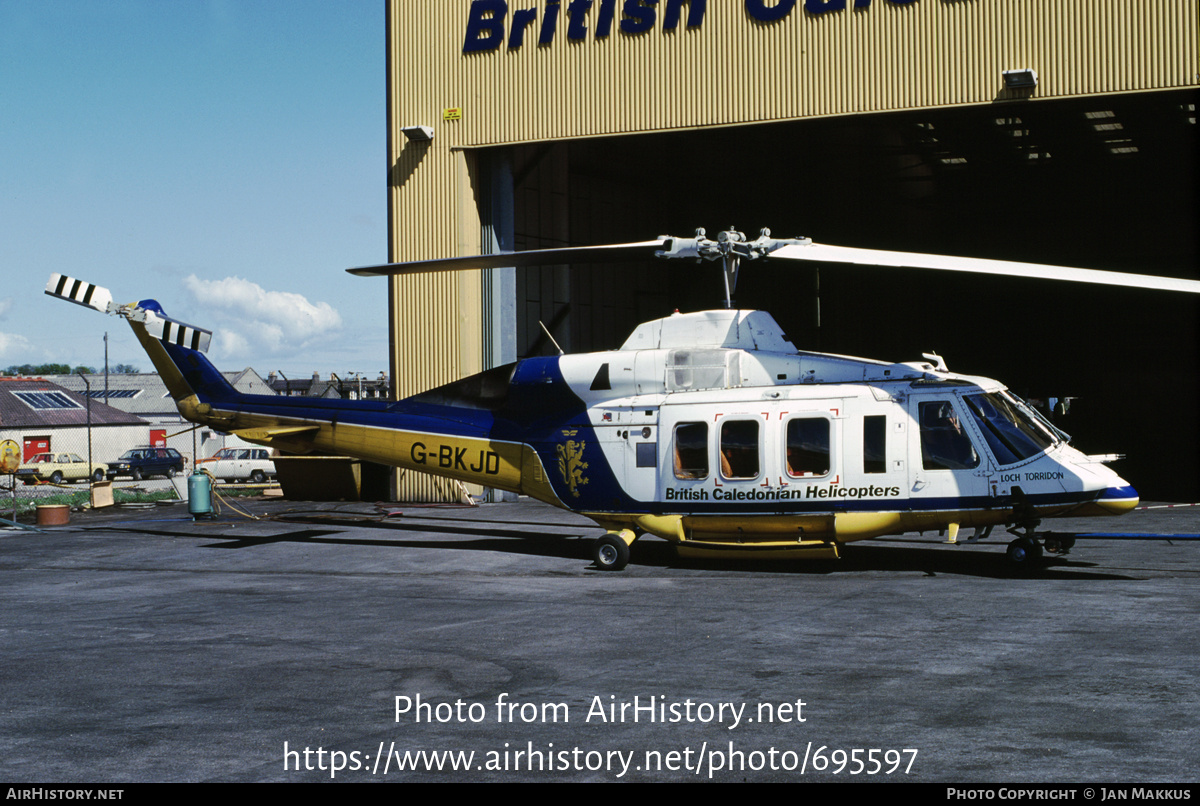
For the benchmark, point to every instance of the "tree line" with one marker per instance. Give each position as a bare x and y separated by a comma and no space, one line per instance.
66,369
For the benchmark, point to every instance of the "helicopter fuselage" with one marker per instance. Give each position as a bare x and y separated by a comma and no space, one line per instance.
710,430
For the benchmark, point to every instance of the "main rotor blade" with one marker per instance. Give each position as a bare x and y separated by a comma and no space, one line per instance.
913,260
610,253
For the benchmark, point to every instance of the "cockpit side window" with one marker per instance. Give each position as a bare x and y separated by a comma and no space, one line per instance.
945,445
691,451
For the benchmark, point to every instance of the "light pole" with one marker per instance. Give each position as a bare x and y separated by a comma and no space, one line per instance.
87,395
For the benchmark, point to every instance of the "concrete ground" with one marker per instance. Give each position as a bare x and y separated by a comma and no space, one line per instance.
324,641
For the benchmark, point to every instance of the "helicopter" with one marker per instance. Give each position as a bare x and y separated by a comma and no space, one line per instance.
709,429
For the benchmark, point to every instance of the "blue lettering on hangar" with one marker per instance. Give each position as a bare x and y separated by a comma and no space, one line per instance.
773,10
490,20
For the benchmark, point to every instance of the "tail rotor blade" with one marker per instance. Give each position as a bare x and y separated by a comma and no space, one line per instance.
177,333
81,293
100,299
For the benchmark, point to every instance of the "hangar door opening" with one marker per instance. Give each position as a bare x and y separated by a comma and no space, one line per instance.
1099,182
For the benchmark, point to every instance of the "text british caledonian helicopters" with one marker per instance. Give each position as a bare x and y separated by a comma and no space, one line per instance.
708,429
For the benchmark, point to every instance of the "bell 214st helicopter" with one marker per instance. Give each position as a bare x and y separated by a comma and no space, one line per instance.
708,429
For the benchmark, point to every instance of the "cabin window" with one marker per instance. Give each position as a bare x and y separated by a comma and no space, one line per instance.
691,451
875,444
702,369
944,443
808,446
646,454
739,449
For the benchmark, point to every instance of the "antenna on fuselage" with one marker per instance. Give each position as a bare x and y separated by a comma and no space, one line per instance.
552,341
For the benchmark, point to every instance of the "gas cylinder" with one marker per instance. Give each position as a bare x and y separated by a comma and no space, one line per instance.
199,494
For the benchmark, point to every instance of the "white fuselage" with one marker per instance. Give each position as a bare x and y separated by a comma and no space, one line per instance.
715,415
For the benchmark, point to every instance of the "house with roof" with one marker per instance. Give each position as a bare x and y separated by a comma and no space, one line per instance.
352,387
42,416
146,396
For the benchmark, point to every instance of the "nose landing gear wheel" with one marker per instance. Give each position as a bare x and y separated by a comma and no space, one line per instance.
611,553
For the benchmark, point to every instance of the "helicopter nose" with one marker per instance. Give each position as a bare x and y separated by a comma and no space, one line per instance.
1117,499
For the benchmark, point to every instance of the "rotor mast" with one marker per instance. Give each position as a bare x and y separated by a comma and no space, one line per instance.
729,248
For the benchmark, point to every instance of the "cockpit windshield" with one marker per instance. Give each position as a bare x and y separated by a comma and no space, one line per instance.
1012,433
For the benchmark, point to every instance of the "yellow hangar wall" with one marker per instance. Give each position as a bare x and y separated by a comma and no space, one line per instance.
731,67
485,73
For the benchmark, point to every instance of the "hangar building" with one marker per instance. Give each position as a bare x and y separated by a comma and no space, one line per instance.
1056,132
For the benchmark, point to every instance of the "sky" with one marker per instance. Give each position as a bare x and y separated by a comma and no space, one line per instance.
224,157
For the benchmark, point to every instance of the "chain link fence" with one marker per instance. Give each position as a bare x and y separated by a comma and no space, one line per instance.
61,466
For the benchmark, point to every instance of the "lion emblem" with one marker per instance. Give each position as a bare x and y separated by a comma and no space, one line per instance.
571,464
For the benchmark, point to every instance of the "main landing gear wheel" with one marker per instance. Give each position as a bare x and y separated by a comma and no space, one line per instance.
1024,553
611,553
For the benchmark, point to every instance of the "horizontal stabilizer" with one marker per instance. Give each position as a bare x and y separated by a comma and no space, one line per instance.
267,434
81,293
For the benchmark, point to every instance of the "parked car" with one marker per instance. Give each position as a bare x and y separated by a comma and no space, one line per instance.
60,467
241,464
142,462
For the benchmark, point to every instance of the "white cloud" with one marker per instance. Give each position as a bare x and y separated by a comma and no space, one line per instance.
253,320
11,343
228,343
